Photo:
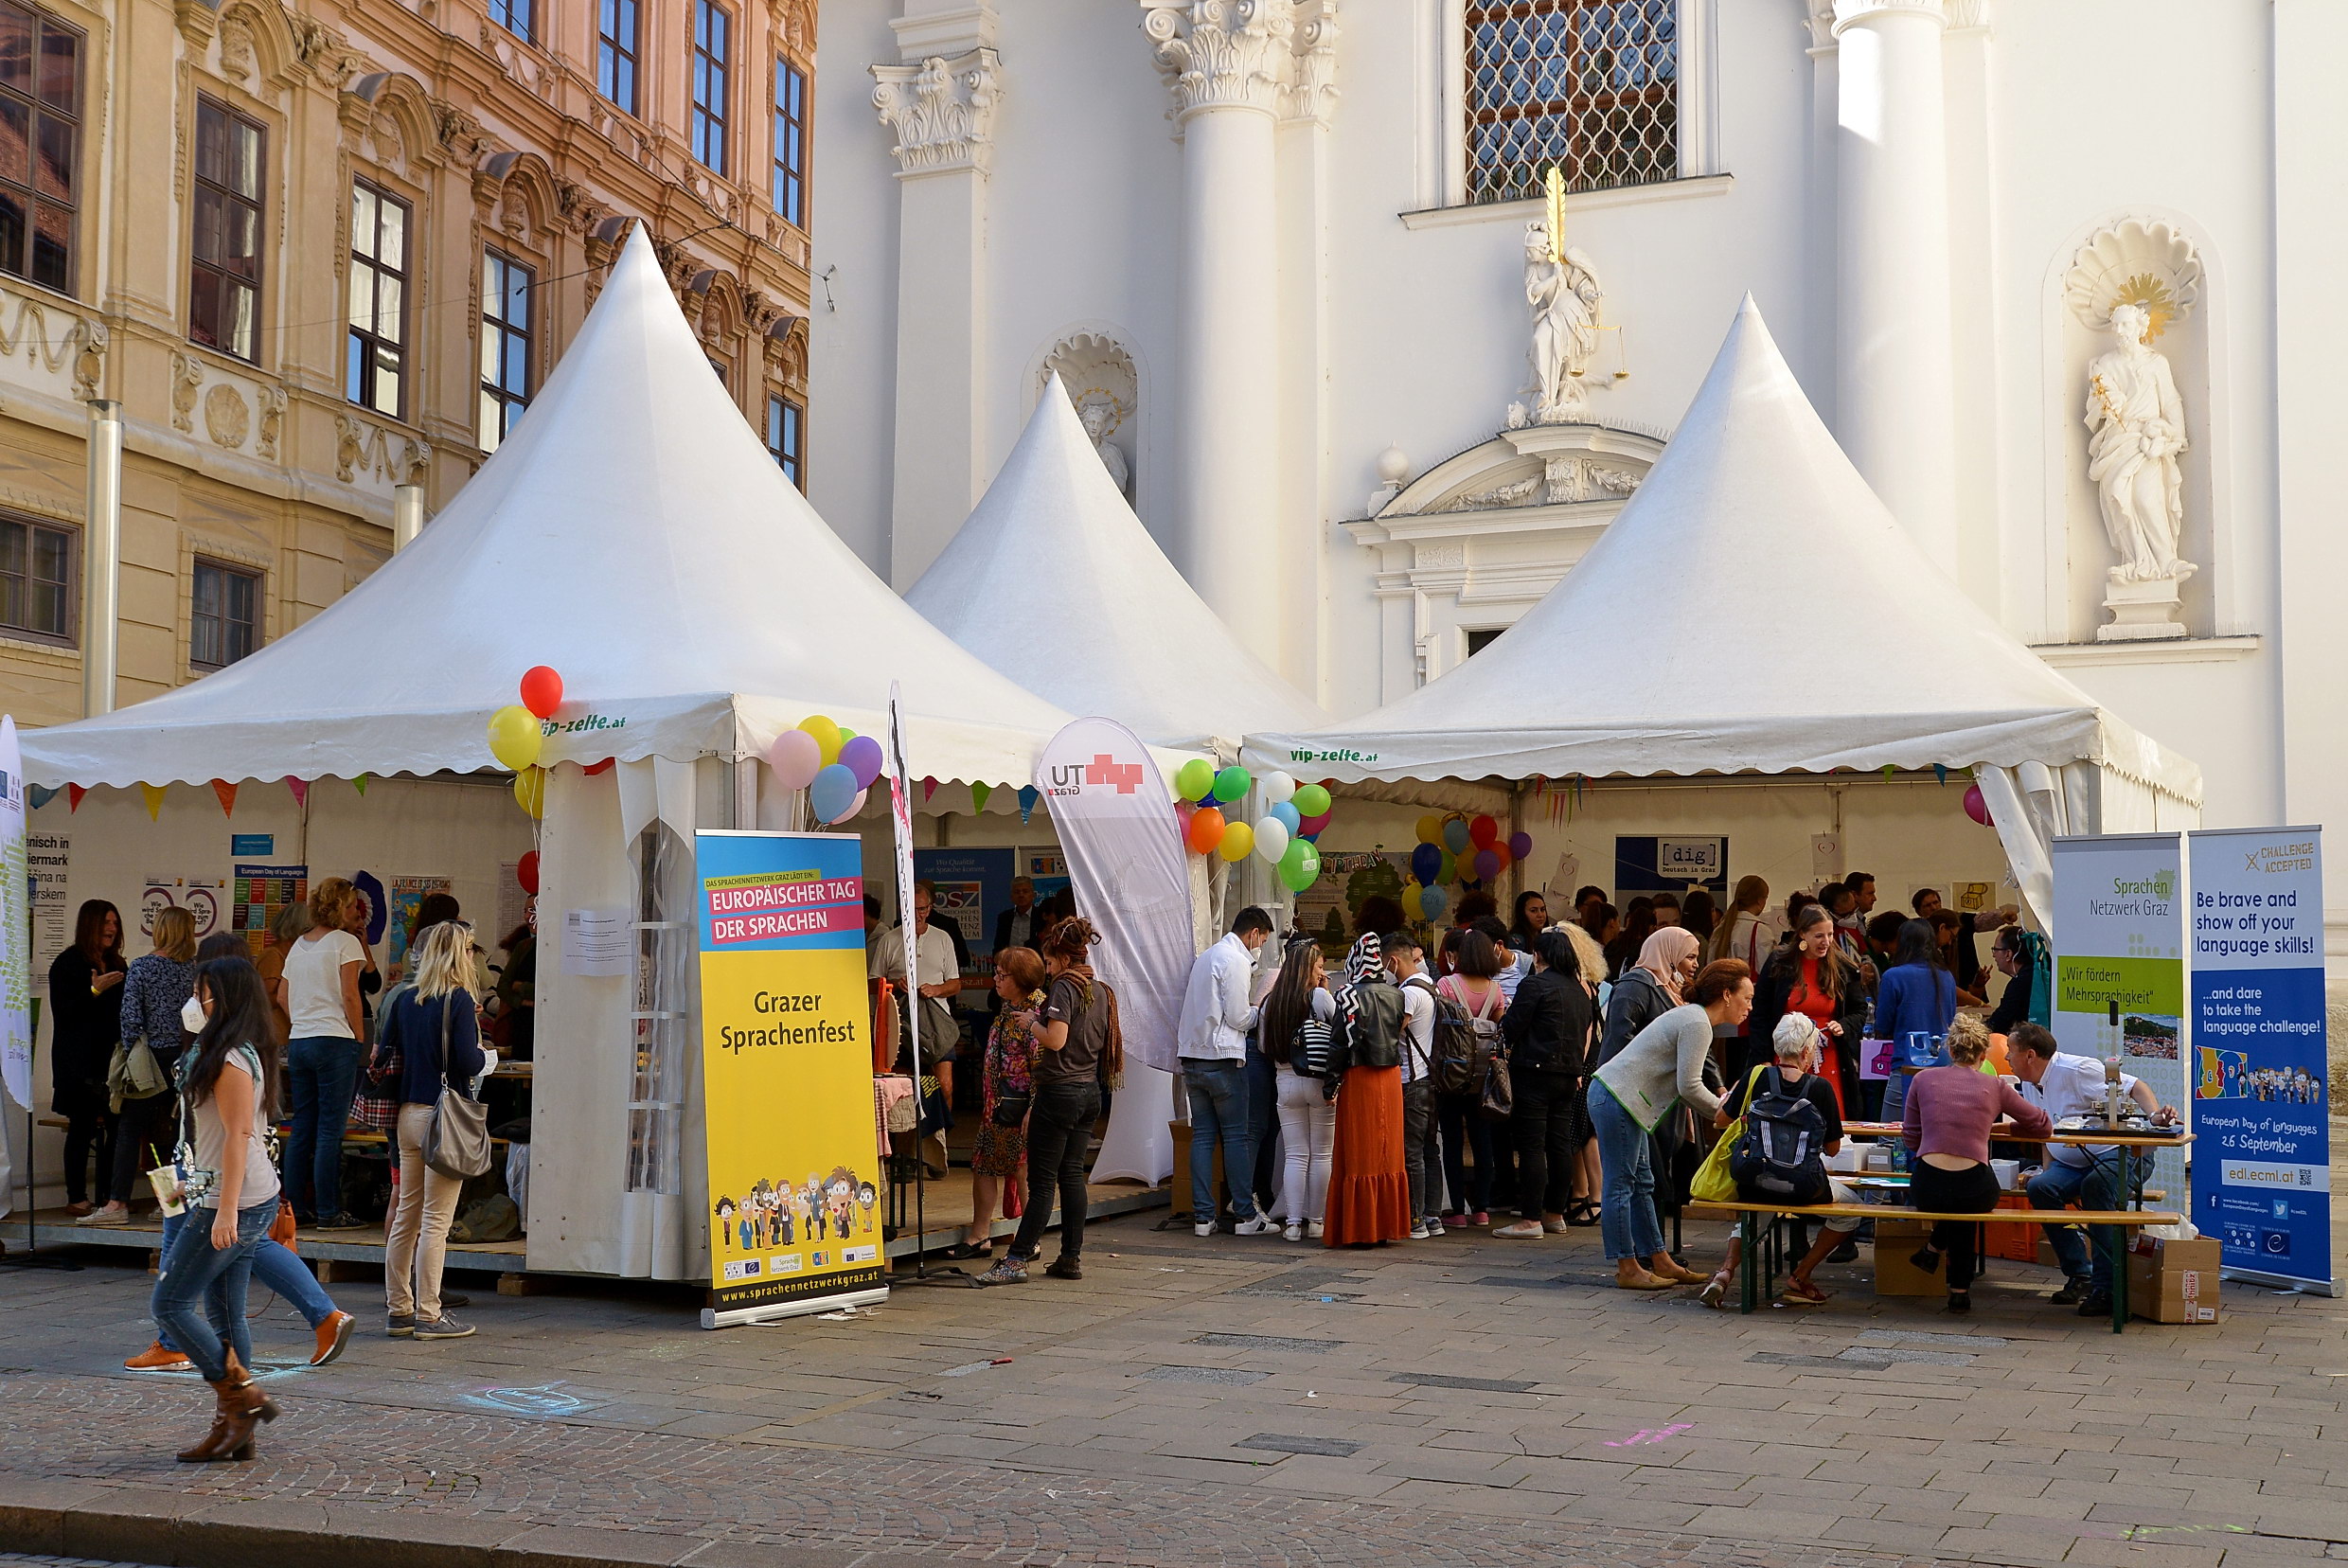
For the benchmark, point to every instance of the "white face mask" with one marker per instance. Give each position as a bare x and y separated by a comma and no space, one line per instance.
191,1016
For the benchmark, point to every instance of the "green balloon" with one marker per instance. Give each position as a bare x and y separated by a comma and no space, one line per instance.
1447,869
1310,800
1300,867
1195,778
1231,784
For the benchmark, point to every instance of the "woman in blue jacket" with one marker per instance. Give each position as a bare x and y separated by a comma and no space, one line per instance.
1916,994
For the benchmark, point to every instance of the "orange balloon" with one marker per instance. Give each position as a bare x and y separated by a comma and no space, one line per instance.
1205,830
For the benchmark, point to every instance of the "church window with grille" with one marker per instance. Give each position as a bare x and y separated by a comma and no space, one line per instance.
1588,86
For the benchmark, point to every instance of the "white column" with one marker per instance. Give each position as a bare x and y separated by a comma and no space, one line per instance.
407,514
1228,63
1894,398
940,104
101,558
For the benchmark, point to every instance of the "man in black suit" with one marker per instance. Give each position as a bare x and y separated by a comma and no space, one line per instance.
1020,924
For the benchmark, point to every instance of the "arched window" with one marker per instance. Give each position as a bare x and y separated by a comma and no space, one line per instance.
1588,86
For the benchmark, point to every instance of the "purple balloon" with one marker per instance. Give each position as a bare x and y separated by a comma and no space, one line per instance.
1487,866
1520,845
862,756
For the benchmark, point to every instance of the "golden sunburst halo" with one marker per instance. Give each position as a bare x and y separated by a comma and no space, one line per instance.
2154,296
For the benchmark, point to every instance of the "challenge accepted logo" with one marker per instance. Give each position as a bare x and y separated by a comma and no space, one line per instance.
1103,772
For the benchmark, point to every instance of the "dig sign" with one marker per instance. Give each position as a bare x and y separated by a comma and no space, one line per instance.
1669,864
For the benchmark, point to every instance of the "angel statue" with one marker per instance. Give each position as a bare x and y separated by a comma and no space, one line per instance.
1564,297
2136,429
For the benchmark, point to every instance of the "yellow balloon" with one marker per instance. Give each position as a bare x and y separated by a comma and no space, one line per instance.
531,791
1238,842
1411,905
827,737
515,737
1431,828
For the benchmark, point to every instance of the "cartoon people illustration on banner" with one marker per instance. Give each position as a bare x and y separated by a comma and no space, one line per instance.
840,1197
866,1199
726,1223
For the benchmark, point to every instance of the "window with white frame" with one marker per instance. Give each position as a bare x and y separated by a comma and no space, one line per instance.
1590,87
711,62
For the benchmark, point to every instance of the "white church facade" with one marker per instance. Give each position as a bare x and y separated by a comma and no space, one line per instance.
2054,274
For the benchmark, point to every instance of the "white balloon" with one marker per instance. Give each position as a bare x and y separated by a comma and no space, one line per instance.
1277,787
854,806
1271,837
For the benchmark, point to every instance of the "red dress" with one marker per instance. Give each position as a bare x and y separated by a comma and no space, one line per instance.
1820,1005
1369,1193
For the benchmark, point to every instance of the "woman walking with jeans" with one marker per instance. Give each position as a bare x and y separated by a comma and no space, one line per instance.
1662,1065
231,1194
1081,1051
436,1028
321,997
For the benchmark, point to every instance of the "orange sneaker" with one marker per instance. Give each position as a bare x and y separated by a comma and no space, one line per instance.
155,1357
333,1335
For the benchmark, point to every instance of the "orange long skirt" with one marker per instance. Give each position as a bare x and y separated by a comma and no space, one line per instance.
1369,1192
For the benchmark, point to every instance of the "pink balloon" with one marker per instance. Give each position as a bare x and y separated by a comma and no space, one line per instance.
1520,845
854,806
1311,826
1976,804
795,759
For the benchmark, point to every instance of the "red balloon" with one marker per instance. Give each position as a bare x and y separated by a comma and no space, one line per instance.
1483,832
525,872
604,766
1205,830
1311,827
1976,804
541,691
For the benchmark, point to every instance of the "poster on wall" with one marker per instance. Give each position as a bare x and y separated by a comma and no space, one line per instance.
405,897
206,898
1326,910
973,887
1670,864
1047,869
2120,963
2263,1165
49,861
259,894
788,1136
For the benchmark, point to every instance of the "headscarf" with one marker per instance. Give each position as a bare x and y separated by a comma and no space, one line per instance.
1364,961
1667,948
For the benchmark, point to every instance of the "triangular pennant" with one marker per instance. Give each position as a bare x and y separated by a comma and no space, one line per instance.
154,801
73,798
1940,773
42,795
227,794
360,783
978,795
929,787
1890,770
1028,796
300,788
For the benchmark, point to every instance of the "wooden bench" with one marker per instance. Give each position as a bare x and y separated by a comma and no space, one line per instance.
1747,1216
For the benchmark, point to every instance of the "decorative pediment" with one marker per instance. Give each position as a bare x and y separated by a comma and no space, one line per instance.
1538,466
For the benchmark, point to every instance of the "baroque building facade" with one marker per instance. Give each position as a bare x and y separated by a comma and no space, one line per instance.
1377,386
314,253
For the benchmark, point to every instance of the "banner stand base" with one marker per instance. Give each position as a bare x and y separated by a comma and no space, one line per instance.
776,1312
2277,1282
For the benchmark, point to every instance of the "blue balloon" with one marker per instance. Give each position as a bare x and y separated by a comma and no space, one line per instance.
1456,835
1426,860
832,792
1433,902
1290,816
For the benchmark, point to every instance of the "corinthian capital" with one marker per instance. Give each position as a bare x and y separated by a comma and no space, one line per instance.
1223,54
942,110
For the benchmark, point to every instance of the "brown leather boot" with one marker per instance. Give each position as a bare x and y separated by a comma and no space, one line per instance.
242,1406
207,1448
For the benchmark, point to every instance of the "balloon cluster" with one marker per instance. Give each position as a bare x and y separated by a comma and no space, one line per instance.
1457,847
833,765
1284,837
518,734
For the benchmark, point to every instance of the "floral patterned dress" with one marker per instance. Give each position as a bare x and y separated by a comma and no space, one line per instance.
1011,1048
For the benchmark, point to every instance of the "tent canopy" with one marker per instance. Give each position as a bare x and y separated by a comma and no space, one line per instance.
1055,583
1674,647
633,534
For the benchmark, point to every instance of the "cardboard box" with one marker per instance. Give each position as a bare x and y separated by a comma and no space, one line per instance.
2173,1281
1894,1274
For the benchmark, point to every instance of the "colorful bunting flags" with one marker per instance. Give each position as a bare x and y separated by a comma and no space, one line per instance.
154,801
227,794
300,788
978,796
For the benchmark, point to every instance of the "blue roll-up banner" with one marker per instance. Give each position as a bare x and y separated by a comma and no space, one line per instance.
2262,1156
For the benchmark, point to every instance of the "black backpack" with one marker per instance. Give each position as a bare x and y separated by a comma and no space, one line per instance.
1465,1045
1309,1051
1375,1037
1781,1157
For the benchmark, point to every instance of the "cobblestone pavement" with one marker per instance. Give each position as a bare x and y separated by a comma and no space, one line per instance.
1251,1402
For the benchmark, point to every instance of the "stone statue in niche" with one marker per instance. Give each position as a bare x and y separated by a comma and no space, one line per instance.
2136,432
1099,414
1104,388
1564,297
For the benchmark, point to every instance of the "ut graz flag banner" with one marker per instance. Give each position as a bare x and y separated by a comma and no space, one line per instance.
787,1075
2120,963
1123,846
2263,1157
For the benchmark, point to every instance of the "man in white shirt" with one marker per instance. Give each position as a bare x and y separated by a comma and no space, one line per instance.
1212,1040
2066,1086
938,980
1407,961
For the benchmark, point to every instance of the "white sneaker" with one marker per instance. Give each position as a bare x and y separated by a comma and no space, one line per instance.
1312,1229
1295,1233
1253,1225
1207,1229
1418,1231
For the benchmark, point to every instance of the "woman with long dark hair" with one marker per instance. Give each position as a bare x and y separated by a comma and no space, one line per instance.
1530,917
228,1082
1700,913
1916,997
1307,1121
1471,979
1548,1029
1082,1052
1816,978
85,1001
1638,925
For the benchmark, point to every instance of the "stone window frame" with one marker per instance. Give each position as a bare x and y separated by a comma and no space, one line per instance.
71,637
793,177
703,116
76,119
631,50
790,456
236,563
221,103
533,335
